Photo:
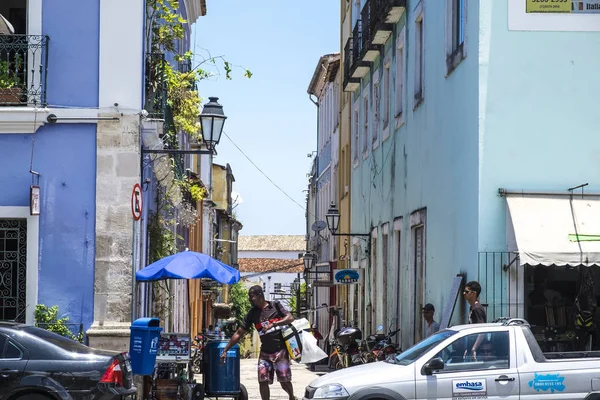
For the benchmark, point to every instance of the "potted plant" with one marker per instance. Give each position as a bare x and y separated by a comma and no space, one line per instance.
11,91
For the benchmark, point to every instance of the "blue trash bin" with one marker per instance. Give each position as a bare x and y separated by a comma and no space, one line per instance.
221,380
143,345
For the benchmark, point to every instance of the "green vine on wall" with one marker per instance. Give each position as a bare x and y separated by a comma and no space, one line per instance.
167,27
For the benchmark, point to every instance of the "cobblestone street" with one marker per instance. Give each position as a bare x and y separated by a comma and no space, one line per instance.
301,376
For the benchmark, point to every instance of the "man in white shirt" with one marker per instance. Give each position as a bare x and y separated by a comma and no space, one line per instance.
431,326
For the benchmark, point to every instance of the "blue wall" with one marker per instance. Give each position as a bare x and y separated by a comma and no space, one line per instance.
430,161
65,157
74,28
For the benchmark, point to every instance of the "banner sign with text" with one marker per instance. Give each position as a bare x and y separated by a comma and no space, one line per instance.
563,6
348,276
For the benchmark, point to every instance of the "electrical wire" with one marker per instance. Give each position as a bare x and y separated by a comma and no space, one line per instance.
266,176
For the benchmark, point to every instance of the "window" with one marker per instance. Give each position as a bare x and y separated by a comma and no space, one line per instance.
365,125
419,58
356,144
400,77
277,287
418,257
397,266
385,235
492,352
374,280
455,33
376,110
11,351
386,99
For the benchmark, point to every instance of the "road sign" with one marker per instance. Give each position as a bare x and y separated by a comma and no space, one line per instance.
136,202
323,283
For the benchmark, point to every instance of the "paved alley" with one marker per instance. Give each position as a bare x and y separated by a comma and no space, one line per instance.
301,376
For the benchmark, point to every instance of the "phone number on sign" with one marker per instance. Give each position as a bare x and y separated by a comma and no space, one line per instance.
561,6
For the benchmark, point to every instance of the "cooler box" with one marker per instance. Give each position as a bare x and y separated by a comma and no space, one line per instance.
221,380
291,336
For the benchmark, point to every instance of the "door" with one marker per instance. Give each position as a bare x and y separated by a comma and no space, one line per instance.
12,365
489,373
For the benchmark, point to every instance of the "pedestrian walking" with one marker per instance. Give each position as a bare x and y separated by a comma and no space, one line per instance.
431,326
268,317
477,314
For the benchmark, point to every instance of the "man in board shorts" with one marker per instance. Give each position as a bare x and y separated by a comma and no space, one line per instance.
268,317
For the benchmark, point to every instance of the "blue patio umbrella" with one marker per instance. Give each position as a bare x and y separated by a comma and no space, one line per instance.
189,265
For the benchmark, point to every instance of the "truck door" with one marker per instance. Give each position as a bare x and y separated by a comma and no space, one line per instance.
490,373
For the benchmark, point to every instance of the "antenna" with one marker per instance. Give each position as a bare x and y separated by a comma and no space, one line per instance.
318,226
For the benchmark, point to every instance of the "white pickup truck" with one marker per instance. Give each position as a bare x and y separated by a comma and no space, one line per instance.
507,364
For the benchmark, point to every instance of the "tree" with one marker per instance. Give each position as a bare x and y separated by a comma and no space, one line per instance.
294,298
240,301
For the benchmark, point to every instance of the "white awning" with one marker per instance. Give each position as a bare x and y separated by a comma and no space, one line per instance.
551,230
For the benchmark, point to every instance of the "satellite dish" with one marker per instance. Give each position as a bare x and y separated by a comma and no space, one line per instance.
318,226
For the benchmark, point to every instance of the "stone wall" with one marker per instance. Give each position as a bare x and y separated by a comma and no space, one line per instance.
118,170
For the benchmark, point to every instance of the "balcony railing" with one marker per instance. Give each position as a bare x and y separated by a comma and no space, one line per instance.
23,70
378,17
356,41
365,22
156,87
348,60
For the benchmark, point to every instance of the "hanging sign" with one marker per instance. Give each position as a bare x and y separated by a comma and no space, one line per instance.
136,202
348,276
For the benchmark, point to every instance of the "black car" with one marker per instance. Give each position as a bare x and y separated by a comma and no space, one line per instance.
39,365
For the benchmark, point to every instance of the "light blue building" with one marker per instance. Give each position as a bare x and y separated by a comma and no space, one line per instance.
452,101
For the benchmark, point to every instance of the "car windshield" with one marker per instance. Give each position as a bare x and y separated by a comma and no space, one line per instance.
410,356
59,341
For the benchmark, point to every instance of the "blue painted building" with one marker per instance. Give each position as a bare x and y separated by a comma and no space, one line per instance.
449,104
53,66
72,82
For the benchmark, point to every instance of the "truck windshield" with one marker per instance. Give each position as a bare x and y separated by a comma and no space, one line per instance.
411,355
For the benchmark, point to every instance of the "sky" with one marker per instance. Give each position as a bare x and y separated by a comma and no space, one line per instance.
269,117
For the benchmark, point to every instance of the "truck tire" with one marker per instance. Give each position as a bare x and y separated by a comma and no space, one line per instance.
376,393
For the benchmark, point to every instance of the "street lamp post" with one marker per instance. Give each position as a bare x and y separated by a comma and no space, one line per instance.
333,223
212,120
309,262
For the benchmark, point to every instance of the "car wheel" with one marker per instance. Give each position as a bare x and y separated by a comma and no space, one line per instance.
33,396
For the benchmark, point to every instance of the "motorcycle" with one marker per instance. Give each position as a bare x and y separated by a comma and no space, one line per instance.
196,353
348,349
381,346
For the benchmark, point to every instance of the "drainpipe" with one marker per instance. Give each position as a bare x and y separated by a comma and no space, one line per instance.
146,189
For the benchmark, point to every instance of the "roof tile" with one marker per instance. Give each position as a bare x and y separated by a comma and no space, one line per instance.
272,243
271,265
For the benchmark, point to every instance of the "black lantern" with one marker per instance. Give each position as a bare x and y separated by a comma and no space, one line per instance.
212,120
309,260
333,218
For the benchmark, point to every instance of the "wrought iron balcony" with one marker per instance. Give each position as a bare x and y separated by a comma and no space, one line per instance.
378,19
156,87
23,70
350,83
